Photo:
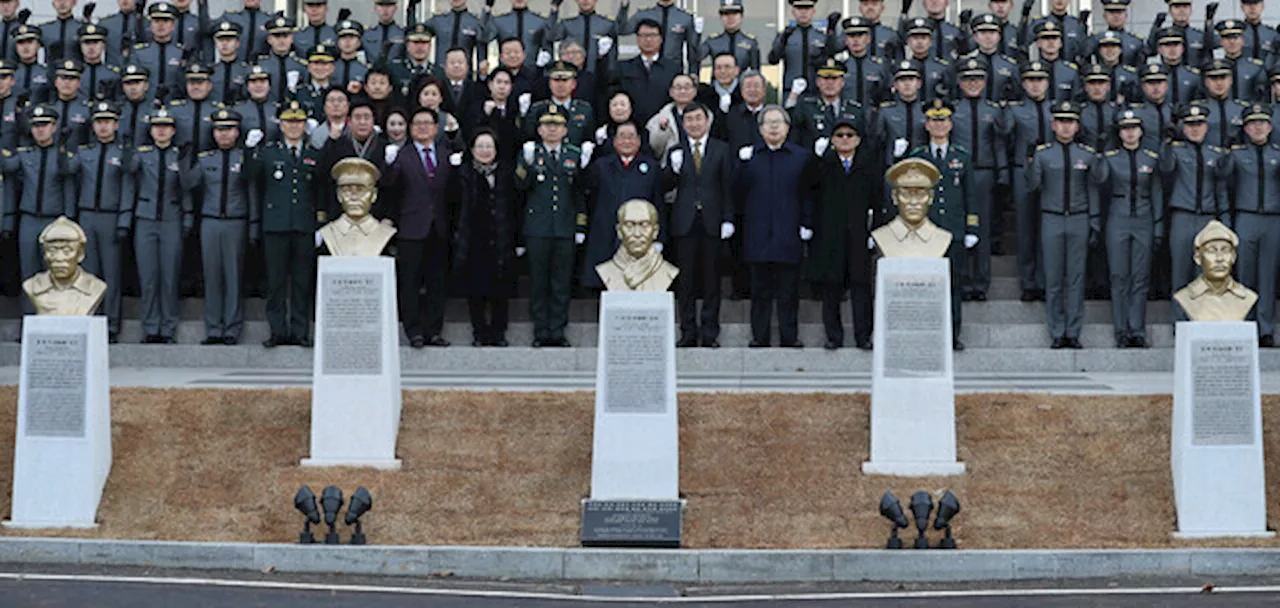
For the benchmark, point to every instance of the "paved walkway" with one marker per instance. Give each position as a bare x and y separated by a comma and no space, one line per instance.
1094,383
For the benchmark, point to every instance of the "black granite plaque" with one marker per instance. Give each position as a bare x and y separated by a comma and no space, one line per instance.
631,523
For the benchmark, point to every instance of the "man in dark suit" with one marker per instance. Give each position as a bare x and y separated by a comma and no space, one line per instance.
699,167
741,128
460,91
647,76
421,172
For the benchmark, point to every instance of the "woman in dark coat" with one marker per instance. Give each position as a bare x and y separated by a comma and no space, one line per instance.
484,239
839,258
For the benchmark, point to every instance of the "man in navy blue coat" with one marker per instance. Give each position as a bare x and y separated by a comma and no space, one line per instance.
612,180
772,185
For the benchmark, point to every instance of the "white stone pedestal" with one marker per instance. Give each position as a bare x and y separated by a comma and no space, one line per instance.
913,425
62,451
355,394
635,450
1219,483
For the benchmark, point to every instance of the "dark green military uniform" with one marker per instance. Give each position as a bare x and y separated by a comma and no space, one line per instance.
815,117
286,176
580,120
554,213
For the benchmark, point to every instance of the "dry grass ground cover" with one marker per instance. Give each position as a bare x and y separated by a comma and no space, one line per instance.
768,470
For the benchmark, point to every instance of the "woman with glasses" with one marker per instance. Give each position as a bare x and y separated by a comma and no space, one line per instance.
484,238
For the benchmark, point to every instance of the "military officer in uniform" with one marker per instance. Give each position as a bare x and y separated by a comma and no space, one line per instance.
136,108
529,26
1226,114
348,66
32,76
681,33
228,70
1260,41
554,219
458,29
415,62
954,207
316,32
1064,76
285,171
1197,173
597,34
1002,71
73,110
281,64
252,21
947,37
44,189
230,210
801,47
100,170
385,39
579,117
978,128
161,215
259,111
1097,113
124,29
1248,75
936,73
1184,77
194,114
1157,113
1070,224
744,47
1192,37
885,42
1131,194
814,117
1069,28
869,83
1124,77
898,124
1030,122
162,56
1132,49
1255,189
320,71
10,111
59,35
99,76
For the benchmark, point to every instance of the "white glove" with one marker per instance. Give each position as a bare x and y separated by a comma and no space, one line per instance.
527,150
389,156
798,86
377,129
455,159
677,160
543,58
871,243
588,149
526,100
745,152
312,124
899,147
698,23
319,239
579,238
725,100
253,138
489,106
805,233
292,79
657,246
602,134
519,252
820,145
603,45
726,231
970,240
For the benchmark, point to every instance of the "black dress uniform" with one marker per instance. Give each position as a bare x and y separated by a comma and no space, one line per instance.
1255,194
285,173
230,211
1031,125
100,170
162,215
744,46
814,117
1131,194
1059,177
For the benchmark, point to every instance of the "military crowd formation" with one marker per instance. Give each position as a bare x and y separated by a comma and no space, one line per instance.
196,153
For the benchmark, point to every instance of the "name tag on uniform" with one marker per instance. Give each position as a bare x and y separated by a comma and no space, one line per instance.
1152,169
1081,165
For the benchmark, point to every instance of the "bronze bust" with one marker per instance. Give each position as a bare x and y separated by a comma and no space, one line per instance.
1214,295
65,288
637,265
356,233
911,234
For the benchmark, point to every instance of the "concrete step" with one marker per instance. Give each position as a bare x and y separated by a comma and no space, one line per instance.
974,334
745,361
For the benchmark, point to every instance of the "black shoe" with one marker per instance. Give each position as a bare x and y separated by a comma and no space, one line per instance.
229,341
966,297
997,249
211,340
417,342
1059,343
152,339
113,338
437,341
477,344
980,297
1137,342
557,343
1267,342
711,343
500,343
864,345
1039,295
1028,295
1122,340
273,342
304,342
796,344
168,340
756,344
832,345
1074,343
957,345
686,343
538,344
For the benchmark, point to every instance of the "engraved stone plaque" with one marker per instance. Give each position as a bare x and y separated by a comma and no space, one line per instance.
1221,392
352,323
915,334
631,523
635,378
56,367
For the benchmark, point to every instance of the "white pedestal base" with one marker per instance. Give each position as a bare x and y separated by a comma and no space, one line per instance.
1219,482
913,426
62,450
355,395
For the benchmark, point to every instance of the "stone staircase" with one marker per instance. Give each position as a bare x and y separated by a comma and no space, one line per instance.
1003,335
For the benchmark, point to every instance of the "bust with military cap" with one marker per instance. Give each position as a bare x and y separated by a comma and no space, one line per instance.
911,234
65,288
356,232
1214,295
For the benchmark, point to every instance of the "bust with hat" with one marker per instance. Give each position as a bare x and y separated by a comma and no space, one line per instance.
356,232
1214,295
65,288
912,234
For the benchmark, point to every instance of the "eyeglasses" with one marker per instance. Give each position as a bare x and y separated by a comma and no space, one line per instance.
844,134
773,122
424,123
